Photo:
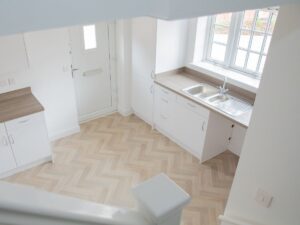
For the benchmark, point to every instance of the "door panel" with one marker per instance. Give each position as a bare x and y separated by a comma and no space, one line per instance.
28,138
91,71
190,127
7,161
143,64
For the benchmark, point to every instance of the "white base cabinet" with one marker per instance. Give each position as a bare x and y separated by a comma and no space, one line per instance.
237,138
7,160
181,120
203,133
24,142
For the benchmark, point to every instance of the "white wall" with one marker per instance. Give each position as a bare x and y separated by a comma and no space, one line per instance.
50,78
271,152
171,45
123,49
23,16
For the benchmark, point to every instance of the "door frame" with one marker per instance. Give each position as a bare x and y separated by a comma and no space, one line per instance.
111,26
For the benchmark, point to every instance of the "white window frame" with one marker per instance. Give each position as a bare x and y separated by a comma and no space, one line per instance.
235,29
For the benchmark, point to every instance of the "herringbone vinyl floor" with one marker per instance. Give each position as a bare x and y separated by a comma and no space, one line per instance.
112,154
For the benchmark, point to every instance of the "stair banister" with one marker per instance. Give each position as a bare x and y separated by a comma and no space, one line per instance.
24,205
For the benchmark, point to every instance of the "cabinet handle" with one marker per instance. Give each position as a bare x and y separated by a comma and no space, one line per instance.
164,100
11,139
164,117
152,75
191,105
4,141
24,121
203,125
164,91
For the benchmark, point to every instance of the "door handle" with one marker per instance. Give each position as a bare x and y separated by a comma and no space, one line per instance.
11,139
4,141
73,70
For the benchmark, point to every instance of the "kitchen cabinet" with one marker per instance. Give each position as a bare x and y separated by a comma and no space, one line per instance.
202,132
13,54
143,65
164,109
181,120
157,46
24,142
6,155
237,138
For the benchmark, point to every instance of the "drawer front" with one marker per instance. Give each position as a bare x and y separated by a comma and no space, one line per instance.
164,92
25,121
192,106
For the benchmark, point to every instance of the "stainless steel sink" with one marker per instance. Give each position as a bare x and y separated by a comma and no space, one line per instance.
229,104
201,90
224,102
216,99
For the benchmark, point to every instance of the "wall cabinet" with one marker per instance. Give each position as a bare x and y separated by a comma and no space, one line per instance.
200,131
13,54
24,141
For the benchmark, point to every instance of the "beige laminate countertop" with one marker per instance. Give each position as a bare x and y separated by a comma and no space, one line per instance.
178,81
17,104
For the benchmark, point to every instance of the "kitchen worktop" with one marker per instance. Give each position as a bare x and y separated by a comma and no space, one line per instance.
177,81
17,104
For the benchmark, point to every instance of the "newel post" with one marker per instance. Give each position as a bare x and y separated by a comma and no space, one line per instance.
161,200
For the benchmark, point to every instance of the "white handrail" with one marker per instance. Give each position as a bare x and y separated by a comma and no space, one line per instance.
26,205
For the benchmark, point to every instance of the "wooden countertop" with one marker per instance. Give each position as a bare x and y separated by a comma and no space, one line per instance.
17,104
179,80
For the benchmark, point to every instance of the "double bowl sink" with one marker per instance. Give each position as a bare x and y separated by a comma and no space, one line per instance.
224,102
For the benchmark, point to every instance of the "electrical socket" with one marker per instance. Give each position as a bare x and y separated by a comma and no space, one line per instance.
263,198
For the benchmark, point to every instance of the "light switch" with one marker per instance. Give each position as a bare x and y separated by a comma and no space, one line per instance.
263,198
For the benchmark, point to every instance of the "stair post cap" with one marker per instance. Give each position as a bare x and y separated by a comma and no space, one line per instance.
160,197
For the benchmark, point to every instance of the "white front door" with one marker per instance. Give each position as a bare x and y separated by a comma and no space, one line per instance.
91,70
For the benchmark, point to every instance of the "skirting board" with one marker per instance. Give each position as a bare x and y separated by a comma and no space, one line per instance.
96,115
126,112
65,133
230,220
22,168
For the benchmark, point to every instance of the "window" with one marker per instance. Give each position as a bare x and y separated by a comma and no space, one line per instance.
89,37
240,41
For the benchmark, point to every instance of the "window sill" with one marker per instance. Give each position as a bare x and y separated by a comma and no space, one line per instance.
234,78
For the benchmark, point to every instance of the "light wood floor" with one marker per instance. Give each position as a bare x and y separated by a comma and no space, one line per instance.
111,155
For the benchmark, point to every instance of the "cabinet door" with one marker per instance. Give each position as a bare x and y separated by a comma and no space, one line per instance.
7,161
13,54
237,139
28,138
191,122
143,65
